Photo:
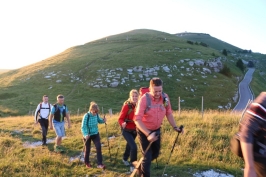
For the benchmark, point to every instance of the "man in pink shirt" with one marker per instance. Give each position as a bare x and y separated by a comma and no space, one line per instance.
148,119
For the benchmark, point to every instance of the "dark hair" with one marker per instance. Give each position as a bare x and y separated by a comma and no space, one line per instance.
44,96
156,81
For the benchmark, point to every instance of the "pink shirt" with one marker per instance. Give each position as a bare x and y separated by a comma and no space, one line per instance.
153,118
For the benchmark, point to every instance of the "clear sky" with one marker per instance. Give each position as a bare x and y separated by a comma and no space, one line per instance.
32,30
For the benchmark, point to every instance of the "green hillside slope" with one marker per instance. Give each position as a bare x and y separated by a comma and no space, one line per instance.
209,40
79,71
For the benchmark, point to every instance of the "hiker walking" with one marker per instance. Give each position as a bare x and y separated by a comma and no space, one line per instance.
152,107
252,133
41,116
128,128
57,121
90,132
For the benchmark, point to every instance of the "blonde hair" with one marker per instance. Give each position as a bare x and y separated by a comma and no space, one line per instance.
131,93
93,106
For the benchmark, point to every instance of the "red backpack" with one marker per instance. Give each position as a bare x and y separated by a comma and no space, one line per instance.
144,91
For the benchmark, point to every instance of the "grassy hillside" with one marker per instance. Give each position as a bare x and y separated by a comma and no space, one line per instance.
208,39
4,70
203,146
78,70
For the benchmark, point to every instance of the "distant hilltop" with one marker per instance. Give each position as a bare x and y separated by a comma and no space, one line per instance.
191,33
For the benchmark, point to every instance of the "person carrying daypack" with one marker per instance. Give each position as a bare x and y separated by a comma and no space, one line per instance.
152,107
90,132
252,133
41,116
128,127
57,121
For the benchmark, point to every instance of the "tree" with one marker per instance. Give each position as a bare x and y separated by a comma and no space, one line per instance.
240,65
224,52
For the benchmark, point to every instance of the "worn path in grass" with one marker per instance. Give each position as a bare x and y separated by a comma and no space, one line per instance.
245,93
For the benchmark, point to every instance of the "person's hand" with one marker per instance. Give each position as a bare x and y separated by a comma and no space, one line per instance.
124,124
249,172
152,137
51,127
179,130
87,137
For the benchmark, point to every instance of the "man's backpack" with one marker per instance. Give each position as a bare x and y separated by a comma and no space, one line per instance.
144,91
39,111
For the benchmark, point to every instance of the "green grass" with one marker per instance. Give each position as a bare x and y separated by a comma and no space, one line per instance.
209,40
25,86
203,146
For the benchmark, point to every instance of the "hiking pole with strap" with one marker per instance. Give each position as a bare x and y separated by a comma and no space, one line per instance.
82,153
108,142
119,143
180,130
140,160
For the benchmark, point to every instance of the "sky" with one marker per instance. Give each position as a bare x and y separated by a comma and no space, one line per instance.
31,31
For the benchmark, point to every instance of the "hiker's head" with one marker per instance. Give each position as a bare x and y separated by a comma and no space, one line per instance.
94,108
133,96
60,99
45,98
156,87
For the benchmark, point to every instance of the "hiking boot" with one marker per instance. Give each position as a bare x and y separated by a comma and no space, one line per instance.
88,165
125,162
101,166
44,144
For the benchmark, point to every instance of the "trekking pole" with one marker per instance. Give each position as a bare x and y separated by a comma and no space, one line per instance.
180,130
108,142
119,143
140,160
82,153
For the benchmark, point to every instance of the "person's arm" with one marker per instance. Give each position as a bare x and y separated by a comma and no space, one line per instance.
101,120
36,113
68,118
51,118
247,151
123,115
84,127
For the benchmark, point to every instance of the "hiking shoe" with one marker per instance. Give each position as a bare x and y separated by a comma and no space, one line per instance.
125,162
57,149
88,165
131,168
44,144
101,166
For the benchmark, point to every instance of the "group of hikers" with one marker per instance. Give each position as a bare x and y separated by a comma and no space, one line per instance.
142,116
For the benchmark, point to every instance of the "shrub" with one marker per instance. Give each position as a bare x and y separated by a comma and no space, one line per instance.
190,42
240,65
226,71
224,52
203,44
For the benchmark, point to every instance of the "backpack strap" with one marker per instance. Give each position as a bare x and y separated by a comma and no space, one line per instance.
88,122
148,102
130,109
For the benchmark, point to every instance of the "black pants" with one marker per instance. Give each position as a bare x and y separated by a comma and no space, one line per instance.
97,143
152,153
44,125
131,147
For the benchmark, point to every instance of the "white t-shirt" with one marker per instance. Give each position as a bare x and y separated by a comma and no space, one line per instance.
44,112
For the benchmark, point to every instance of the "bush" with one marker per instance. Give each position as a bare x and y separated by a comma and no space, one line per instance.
203,44
226,71
190,42
224,52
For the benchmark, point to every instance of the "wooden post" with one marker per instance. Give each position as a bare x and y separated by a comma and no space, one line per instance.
179,108
202,111
78,112
102,111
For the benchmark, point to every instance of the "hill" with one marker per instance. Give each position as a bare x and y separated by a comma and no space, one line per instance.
4,70
203,146
105,70
209,40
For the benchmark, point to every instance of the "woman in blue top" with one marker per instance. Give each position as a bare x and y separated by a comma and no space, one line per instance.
89,129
